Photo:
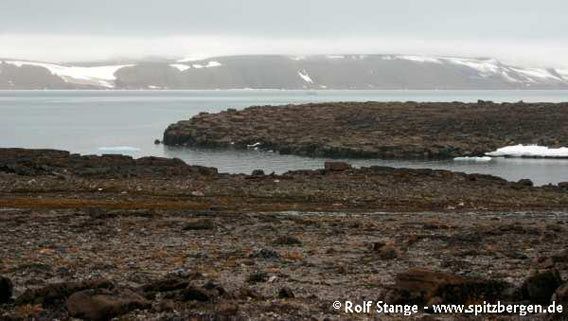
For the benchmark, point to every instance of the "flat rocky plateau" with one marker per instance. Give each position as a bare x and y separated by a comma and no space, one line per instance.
97,237
378,130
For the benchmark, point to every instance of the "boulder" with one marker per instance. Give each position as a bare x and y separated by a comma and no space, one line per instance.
200,224
286,293
418,286
54,294
287,240
103,304
525,182
6,289
266,254
561,295
541,285
193,293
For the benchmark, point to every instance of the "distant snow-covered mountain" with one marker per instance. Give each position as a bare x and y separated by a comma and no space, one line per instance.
285,72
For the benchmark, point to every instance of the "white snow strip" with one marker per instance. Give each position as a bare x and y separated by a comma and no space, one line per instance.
533,151
563,73
421,59
335,57
473,159
254,145
304,75
117,149
486,67
104,75
180,67
531,73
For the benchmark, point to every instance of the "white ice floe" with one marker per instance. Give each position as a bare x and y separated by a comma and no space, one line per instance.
100,75
335,57
304,75
180,67
473,159
118,149
533,151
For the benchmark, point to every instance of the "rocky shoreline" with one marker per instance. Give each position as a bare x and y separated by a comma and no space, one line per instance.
378,130
97,237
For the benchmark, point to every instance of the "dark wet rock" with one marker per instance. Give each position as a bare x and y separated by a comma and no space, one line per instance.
336,166
103,304
157,142
258,173
200,224
541,285
56,293
563,185
287,240
266,254
286,293
525,182
6,289
193,293
418,286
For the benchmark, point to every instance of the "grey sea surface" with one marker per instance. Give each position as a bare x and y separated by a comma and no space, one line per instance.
127,122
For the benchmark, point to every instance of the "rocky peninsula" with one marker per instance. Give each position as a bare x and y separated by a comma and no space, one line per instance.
378,130
98,237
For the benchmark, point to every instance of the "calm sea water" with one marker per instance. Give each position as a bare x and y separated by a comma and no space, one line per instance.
86,121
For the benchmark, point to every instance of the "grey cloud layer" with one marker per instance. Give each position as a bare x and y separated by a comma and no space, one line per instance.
513,19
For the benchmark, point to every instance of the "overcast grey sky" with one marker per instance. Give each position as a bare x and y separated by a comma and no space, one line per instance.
532,32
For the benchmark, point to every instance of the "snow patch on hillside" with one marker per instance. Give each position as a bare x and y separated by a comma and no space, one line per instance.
304,75
99,75
532,73
210,64
180,67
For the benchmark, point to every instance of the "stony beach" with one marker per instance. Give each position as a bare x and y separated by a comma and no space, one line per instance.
97,237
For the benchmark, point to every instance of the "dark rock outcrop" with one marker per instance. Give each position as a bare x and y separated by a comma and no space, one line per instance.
57,293
31,162
103,305
541,285
418,286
